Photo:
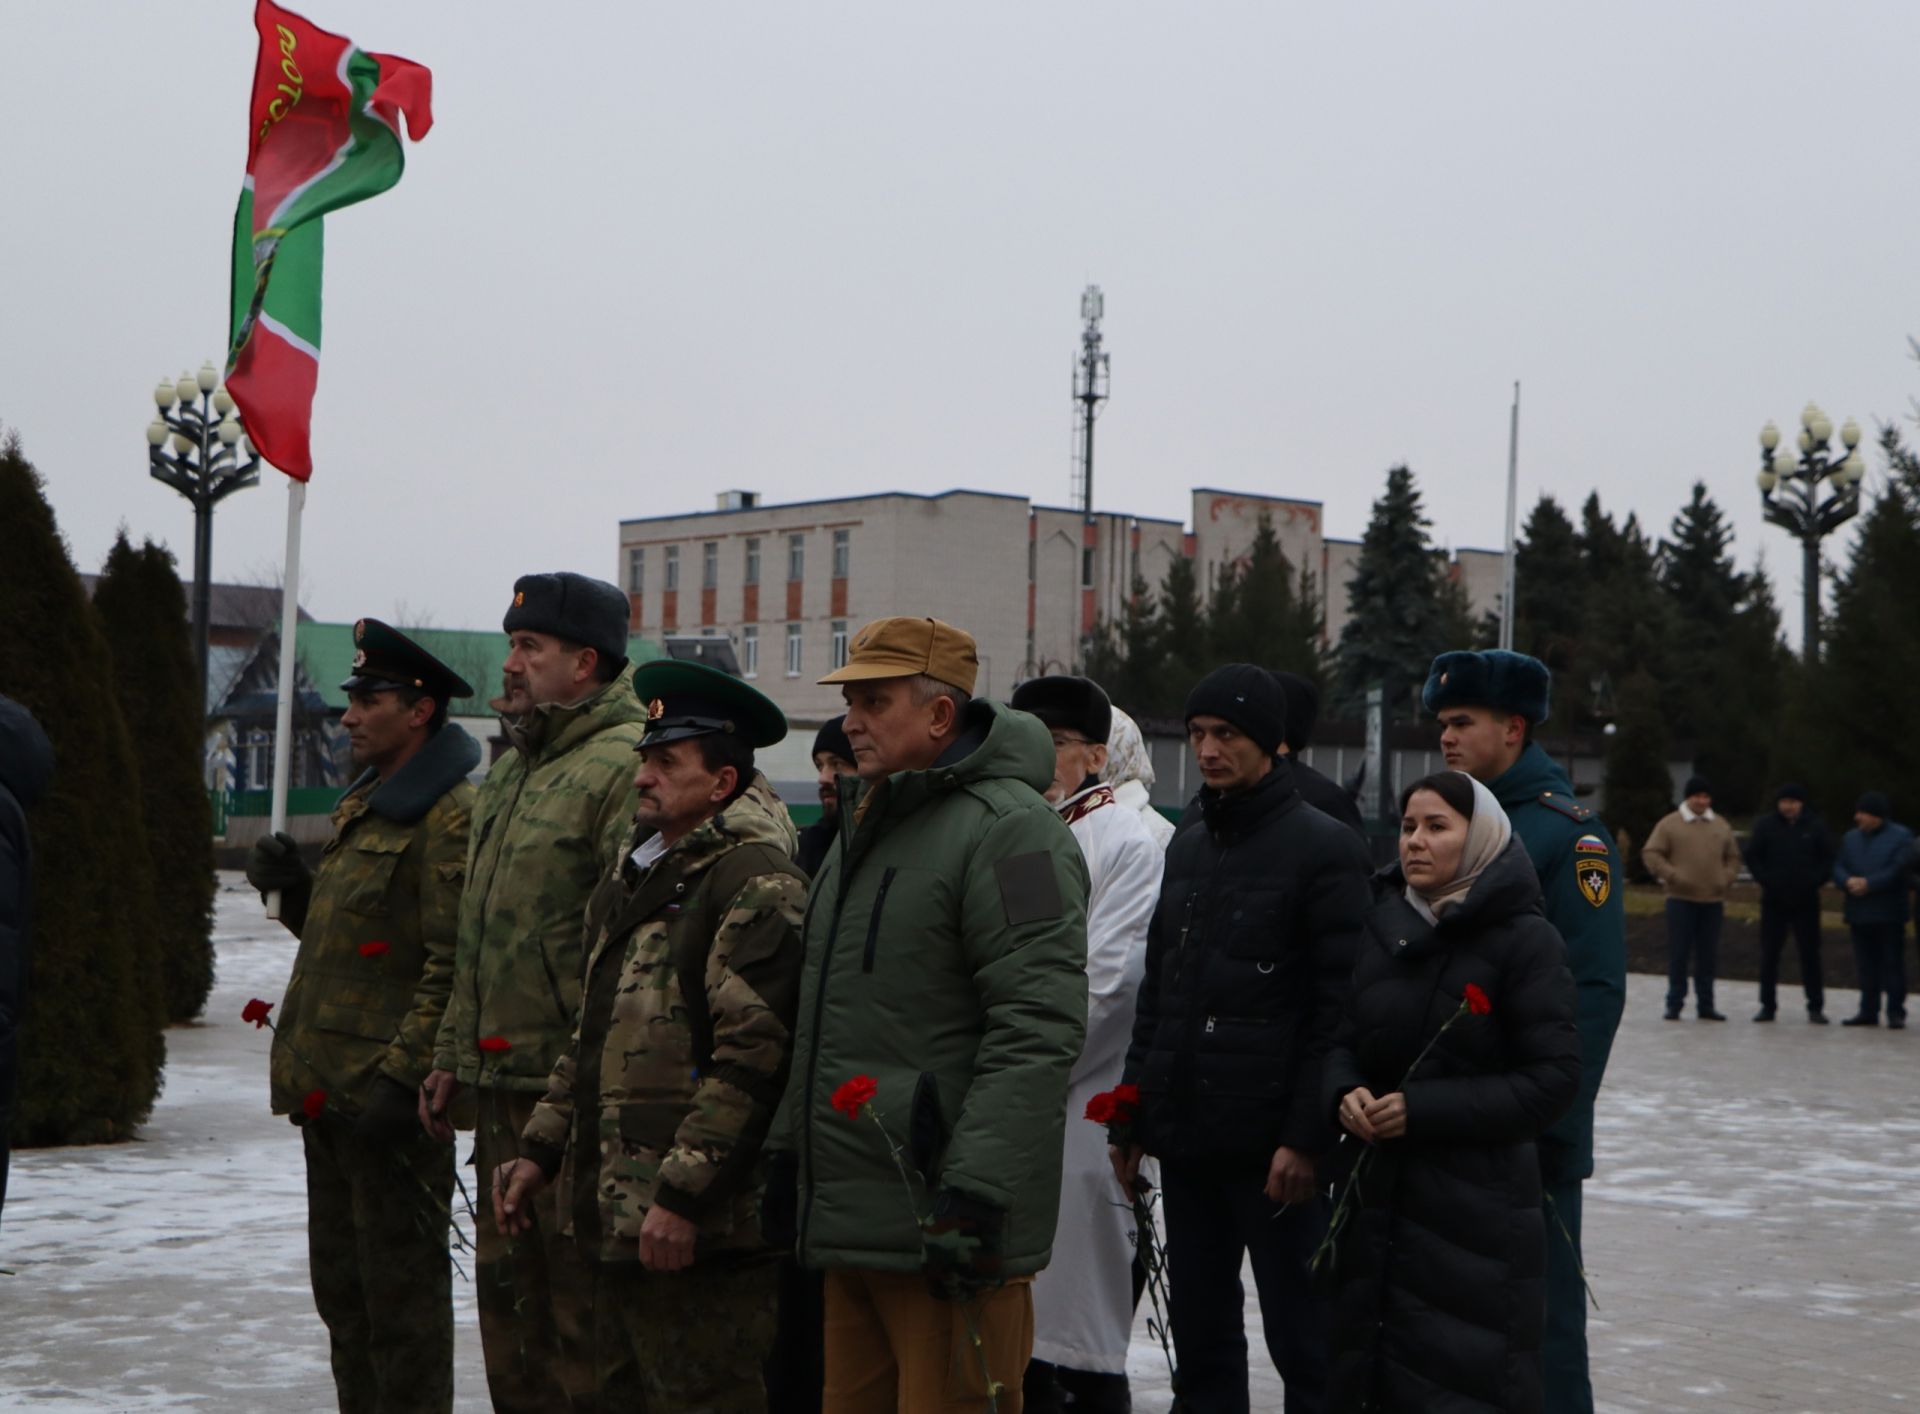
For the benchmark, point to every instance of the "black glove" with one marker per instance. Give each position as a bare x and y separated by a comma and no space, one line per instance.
390,1117
780,1203
960,1247
275,863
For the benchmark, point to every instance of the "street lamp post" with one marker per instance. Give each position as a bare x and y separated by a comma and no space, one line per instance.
1790,498
205,467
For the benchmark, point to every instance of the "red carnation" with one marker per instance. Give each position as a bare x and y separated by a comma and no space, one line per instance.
1101,1108
853,1096
495,1043
1477,1001
256,1012
1128,1095
374,949
315,1102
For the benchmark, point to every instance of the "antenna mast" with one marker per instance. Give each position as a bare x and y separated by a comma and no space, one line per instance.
1089,391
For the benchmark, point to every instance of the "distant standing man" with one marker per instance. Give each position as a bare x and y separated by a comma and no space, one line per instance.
1790,855
946,940
1252,943
1083,1301
1318,789
832,759
1693,853
1488,705
1872,868
26,766
377,922
654,1116
546,827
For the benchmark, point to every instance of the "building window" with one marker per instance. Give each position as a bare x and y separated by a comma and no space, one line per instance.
673,567
842,554
750,651
1086,568
796,557
839,643
259,760
753,560
710,565
636,569
793,650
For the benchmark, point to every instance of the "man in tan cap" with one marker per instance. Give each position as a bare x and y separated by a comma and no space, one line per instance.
945,997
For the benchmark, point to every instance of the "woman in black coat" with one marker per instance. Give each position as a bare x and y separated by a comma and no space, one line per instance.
1440,1266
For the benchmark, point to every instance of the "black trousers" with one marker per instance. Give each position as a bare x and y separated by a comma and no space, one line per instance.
1801,917
1693,937
1879,955
1216,1214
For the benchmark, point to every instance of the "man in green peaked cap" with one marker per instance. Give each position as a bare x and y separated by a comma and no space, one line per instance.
377,922
1488,704
654,1117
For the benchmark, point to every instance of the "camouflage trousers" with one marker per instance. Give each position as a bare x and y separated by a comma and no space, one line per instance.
699,1337
377,1252
534,1291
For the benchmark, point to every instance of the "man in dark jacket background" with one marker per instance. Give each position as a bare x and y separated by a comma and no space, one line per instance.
26,765
832,759
1319,790
1248,956
1790,855
1875,859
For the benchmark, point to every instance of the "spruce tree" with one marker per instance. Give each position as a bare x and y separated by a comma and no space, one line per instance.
143,610
91,1044
1396,604
1183,630
1637,784
1261,612
1126,658
1548,620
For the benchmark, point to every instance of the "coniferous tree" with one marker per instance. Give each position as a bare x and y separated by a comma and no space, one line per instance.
1638,786
1261,612
1183,629
1548,622
91,1045
1396,616
143,611
1127,658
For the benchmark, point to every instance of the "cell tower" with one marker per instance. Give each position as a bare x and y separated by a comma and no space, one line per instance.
1090,383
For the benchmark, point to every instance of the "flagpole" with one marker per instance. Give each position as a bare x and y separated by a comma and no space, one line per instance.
1513,507
283,707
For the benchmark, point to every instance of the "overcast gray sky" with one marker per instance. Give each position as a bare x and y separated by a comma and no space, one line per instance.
651,251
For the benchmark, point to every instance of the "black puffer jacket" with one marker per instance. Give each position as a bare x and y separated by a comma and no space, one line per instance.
1441,1269
1790,859
1248,955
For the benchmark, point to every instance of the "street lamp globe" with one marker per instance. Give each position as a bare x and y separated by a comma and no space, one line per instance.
1850,433
1821,428
156,433
1769,437
229,432
222,400
163,395
1767,480
186,389
208,377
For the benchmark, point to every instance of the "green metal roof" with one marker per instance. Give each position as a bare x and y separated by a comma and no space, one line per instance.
326,651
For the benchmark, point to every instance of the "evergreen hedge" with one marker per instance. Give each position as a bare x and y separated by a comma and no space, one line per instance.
91,1042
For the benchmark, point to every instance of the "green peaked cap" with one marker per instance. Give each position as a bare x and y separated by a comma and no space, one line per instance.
687,699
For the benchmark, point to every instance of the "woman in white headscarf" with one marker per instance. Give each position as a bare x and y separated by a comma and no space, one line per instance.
1129,770
1440,1265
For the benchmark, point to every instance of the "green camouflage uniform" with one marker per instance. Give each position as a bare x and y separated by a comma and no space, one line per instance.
693,974
545,827
389,883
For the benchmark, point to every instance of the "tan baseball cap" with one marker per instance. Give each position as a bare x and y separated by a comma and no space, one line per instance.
903,647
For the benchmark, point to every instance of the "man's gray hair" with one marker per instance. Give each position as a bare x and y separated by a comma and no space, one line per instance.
925,689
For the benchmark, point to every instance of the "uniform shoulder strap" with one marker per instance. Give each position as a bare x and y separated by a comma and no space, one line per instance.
1566,805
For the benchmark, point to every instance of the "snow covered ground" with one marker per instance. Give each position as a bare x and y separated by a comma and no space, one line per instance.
1753,1233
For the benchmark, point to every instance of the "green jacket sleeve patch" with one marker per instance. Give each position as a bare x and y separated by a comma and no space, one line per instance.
1029,891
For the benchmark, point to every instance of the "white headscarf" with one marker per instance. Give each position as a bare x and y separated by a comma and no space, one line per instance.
1487,835
1127,758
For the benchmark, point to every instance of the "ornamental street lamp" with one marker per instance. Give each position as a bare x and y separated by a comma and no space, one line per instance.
1790,498
205,467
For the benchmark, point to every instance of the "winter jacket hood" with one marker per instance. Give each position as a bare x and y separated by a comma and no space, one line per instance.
26,756
436,768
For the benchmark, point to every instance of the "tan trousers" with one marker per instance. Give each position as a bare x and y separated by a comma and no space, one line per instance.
893,1347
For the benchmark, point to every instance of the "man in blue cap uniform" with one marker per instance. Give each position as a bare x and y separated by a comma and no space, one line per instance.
1488,705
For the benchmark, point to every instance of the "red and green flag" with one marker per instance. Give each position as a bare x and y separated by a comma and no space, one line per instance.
325,133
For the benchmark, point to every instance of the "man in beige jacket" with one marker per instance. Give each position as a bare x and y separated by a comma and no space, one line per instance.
1693,854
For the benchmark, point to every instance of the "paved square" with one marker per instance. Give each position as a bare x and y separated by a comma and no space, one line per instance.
1753,1234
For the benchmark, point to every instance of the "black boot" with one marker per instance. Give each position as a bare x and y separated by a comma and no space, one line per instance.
1090,1393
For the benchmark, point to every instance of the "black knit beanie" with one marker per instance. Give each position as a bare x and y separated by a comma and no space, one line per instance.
1247,696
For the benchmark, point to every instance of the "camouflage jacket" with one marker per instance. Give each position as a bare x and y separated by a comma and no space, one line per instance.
686,1026
546,825
370,980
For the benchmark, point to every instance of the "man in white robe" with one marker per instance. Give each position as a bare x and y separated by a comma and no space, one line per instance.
1083,1302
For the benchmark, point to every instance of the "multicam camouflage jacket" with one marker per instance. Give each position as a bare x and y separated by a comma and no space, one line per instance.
546,826
370,980
693,973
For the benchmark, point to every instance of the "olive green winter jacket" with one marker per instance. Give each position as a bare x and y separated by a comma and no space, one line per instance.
546,826
375,963
946,951
693,971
